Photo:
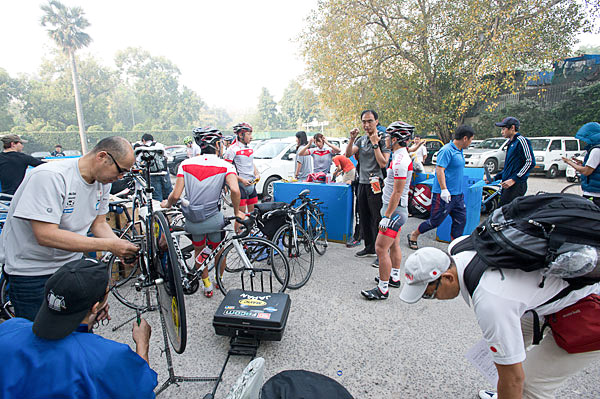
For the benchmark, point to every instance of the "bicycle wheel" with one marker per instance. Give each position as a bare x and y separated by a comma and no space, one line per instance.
574,188
7,311
254,264
318,231
165,265
299,252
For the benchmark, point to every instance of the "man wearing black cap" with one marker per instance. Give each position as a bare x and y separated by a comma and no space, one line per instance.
519,161
14,163
59,356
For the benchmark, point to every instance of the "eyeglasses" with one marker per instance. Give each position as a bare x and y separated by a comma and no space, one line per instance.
119,169
432,295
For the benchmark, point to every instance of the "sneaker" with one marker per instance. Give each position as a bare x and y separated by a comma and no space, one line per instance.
485,394
392,283
375,263
364,253
208,291
375,293
352,244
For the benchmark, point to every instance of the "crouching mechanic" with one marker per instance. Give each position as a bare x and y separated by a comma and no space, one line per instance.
394,212
242,156
203,178
500,301
59,356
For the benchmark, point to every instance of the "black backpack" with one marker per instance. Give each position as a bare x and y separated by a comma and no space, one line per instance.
530,233
158,163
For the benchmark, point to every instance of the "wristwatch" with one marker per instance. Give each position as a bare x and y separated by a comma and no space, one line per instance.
375,146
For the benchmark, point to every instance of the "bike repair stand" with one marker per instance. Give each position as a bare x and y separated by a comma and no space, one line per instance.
239,346
148,308
175,379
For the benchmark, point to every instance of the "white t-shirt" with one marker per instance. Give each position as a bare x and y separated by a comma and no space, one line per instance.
400,168
242,157
593,162
54,193
421,153
503,296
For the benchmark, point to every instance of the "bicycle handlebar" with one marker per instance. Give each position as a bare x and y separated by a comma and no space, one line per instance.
247,224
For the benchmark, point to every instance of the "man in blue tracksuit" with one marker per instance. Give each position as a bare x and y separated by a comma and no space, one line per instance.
448,198
519,161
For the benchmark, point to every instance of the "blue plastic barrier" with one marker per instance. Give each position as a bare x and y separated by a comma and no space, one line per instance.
337,205
473,193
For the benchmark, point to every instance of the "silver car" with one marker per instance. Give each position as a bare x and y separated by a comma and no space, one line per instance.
490,153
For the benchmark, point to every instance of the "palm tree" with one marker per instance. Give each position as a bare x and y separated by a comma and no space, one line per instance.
66,29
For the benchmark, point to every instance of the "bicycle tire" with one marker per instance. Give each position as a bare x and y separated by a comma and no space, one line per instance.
574,188
318,231
266,260
165,264
7,311
300,255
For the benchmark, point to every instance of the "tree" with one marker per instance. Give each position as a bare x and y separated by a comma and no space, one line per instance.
429,61
7,94
66,29
298,105
267,111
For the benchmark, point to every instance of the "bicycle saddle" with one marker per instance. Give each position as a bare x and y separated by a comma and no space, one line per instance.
269,206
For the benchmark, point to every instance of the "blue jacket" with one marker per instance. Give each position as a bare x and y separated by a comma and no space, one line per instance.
591,183
519,160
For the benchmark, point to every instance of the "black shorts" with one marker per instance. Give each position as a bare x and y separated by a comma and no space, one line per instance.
248,195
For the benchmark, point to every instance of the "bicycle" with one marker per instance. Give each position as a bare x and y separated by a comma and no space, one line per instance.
7,311
155,266
573,188
313,220
238,256
292,238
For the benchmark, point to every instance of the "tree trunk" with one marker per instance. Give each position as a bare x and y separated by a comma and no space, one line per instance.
80,122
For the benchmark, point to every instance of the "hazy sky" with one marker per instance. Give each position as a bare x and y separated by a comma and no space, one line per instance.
226,50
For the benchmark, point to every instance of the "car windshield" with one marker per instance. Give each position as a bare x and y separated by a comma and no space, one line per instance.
491,144
270,149
72,153
539,144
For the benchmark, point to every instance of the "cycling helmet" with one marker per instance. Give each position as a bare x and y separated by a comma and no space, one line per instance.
242,127
228,139
207,136
187,140
401,130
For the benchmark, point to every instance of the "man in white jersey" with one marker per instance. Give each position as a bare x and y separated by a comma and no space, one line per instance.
501,301
51,214
322,156
242,156
203,178
394,212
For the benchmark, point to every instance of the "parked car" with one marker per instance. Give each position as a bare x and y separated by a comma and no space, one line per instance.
72,153
275,160
175,154
490,153
548,152
433,145
475,143
40,154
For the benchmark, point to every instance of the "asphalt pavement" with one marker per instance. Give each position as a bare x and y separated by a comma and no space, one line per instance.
383,349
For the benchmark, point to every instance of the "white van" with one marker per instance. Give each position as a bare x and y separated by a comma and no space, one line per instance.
548,152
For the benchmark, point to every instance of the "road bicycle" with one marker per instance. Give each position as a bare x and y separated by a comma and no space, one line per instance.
312,220
243,261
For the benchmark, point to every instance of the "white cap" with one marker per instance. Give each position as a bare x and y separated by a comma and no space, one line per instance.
421,268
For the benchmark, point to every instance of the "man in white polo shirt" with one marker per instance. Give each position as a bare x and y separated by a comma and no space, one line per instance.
51,214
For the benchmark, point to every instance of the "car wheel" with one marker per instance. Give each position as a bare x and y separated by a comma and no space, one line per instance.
552,172
491,165
571,179
268,187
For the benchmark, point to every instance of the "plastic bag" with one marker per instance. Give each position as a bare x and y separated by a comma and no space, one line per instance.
574,263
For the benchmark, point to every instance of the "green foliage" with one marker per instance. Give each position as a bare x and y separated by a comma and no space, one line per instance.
72,128
298,106
118,127
427,61
267,111
95,128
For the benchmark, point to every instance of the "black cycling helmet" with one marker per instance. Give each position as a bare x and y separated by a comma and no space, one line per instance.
242,127
401,130
207,136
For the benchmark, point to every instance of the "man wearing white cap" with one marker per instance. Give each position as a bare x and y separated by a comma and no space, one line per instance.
500,302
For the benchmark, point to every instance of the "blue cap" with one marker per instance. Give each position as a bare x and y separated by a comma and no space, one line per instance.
508,122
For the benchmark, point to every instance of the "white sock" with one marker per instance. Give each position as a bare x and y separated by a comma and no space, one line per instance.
395,274
383,285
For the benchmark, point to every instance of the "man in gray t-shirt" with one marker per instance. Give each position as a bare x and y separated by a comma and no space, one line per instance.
51,214
373,154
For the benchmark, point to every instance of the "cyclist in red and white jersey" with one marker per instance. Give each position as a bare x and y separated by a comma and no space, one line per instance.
242,156
394,212
203,177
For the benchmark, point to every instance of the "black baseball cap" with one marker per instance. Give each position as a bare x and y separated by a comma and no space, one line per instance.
69,295
508,122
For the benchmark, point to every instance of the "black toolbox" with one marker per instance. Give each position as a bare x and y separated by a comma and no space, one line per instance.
252,314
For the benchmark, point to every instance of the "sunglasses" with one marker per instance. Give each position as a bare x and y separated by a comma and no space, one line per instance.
432,295
119,169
